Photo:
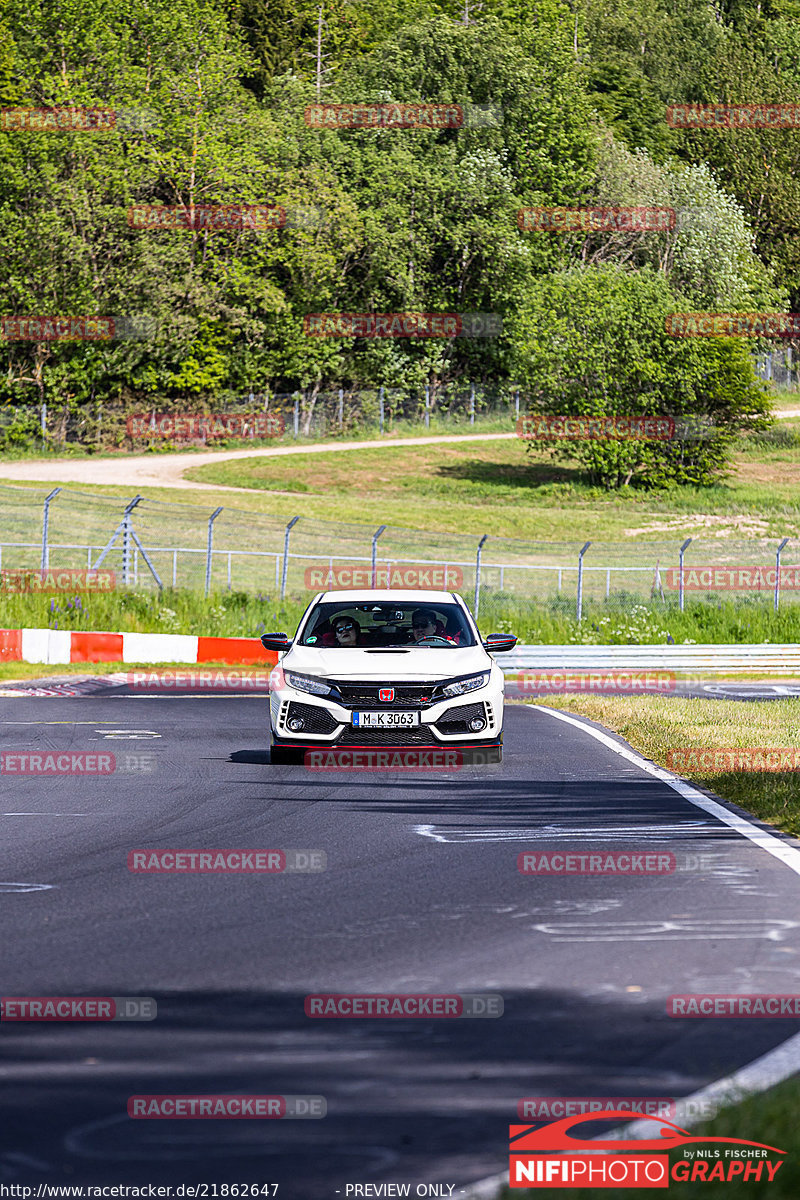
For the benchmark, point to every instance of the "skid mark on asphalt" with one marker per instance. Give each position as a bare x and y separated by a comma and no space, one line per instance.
112,1139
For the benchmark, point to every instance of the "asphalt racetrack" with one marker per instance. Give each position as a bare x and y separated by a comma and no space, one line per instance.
420,894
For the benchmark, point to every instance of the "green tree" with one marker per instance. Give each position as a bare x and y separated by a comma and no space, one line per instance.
593,342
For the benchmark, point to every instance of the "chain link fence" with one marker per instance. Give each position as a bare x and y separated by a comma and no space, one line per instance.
151,544
311,413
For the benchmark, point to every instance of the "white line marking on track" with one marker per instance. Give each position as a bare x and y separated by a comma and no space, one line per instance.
789,855
41,814
26,887
765,1072
555,833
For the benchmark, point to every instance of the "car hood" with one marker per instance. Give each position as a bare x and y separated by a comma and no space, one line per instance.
417,664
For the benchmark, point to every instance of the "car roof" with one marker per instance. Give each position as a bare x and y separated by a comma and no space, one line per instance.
382,595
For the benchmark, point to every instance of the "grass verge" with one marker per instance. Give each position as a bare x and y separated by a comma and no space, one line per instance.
654,725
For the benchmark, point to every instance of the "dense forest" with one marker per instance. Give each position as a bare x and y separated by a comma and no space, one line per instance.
568,102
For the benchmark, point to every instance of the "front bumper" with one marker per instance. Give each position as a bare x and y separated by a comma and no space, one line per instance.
446,723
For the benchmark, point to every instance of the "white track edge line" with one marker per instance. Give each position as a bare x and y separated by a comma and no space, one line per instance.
771,1068
789,855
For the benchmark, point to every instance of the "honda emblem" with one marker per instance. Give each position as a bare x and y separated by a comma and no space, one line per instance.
386,694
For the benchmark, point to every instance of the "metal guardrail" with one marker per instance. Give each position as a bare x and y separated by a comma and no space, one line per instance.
709,657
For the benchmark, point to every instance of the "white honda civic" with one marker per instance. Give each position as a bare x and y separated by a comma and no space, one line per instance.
385,668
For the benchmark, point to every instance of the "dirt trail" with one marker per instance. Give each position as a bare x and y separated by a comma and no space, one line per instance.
167,470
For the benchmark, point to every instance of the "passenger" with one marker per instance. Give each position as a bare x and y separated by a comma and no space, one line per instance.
347,631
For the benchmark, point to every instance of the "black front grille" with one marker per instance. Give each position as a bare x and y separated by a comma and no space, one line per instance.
406,695
317,720
456,720
413,735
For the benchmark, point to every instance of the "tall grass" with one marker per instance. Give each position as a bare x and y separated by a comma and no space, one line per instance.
621,620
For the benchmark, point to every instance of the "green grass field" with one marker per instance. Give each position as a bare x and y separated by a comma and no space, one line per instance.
498,487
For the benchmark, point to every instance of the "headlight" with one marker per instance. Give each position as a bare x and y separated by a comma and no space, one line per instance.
460,686
304,683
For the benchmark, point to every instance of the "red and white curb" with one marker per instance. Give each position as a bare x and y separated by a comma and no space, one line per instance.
59,646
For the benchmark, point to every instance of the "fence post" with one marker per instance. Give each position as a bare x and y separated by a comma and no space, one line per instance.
43,419
286,554
210,544
472,404
296,418
580,581
341,407
680,572
45,525
427,406
381,410
478,575
516,412
778,573
126,540
375,537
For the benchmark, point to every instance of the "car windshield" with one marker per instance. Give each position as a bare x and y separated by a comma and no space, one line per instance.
439,626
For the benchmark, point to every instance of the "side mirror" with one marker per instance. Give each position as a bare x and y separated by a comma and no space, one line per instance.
276,641
496,643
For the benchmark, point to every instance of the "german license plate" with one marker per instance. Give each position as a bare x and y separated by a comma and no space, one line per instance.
385,720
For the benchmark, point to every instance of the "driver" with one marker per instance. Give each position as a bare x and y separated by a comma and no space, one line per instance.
425,625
